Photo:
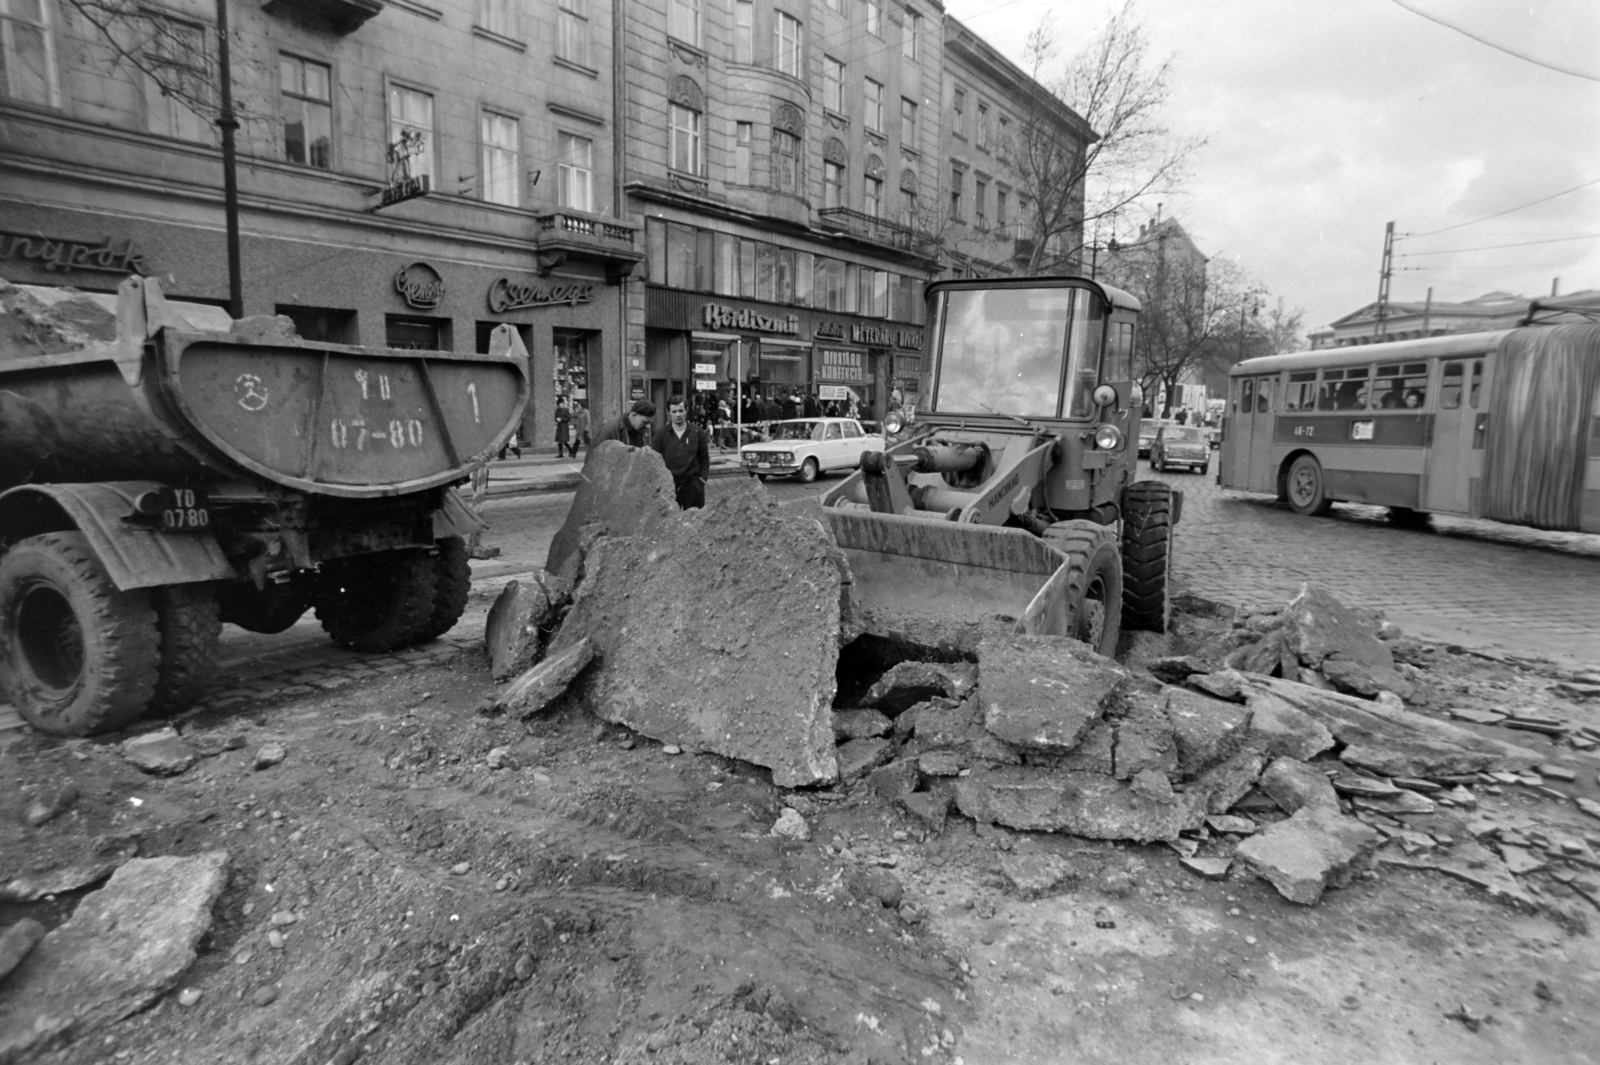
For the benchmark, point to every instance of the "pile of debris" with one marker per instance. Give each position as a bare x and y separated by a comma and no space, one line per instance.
1284,744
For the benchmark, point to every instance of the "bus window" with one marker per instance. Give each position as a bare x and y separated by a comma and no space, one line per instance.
1302,391
1343,389
1246,400
1264,394
1477,383
1450,387
1402,385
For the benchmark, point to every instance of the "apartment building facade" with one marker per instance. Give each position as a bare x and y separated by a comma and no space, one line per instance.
410,173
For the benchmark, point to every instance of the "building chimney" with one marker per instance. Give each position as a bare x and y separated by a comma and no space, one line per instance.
1555,287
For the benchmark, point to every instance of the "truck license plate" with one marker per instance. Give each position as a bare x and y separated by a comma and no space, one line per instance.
184,510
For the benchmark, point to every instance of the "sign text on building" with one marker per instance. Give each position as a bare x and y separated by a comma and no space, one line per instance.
829,331
420,285
508,295
719,317
884,336
68,255
842,366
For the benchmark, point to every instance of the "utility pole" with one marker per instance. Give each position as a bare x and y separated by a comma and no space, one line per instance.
1427,313
1383,280
228,123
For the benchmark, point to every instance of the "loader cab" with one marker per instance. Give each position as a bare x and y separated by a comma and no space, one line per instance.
1018,358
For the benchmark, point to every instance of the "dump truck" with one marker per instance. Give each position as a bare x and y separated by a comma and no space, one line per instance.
1012,499
165,469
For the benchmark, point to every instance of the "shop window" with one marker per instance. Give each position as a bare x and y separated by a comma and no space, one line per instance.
307,89
785,276
328,324
726,279
28,51
485,332
499,166
803,267
575,172
413,333
681,241
572,352
572,32
766,272
411,131
177,80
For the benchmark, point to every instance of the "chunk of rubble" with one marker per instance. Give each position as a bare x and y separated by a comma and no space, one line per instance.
1043,692
1085,804
857,758
930,807
1401,803
17,941
29,887
1343,645
909,683
681,656
540,686
1367,787
1207,868
1035,876
1293,784
522,612
860,724
625,491
1145,739
1395,743
1471,862
123,948
161,753
1175,669
1207,730
1232,825
896,780
1279,729
1311,852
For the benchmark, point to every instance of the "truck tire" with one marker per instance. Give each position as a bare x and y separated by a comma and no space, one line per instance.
376,603
1308,493
1094,584
189,622
268,610
1147,556
452,585
77,656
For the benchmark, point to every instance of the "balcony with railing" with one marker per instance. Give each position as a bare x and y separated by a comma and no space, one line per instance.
341,16
567,232
876,230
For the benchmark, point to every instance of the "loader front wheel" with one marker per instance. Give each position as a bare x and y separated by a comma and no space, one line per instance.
1094,582
1147,556
77,656
376,603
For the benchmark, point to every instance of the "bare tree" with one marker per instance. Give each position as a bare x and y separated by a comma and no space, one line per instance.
169,53
1081,176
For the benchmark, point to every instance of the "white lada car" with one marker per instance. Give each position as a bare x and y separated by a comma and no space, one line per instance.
808,447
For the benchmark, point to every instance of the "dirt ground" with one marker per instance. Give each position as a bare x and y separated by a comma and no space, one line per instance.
597,899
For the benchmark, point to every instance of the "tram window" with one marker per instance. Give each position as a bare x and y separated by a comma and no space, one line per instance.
1343,389
1247,391
1450,387
1402,385
1264,387
1477,383
1302,391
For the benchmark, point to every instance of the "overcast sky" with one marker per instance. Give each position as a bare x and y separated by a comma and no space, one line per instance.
1327,120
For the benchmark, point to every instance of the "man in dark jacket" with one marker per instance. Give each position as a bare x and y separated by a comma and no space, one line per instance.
811,407
633,428
686,452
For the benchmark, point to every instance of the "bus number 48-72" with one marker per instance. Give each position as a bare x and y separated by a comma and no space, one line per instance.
1305,430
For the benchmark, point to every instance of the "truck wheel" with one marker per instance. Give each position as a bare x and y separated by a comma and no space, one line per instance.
1147,556
452,584
269,610
376,603
808,471
1306,492
189,621
1094,585
77,656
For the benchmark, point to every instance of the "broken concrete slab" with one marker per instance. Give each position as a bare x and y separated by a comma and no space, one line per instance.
17,941
1227,684
525,608
1400,803
1294,784
912,682
1278,729
857,758
860,724
1229,824
1084,804
1368,787
1396,743
1035,876
70,877
123,947
1520,860
1473,863
1207,730
1175,669
1314,850
1317,627
681,657
896,780
540,686
1222,786
1043,692
1358,678
1095,753
939,763
1145,738
931,807
1207,868
625,491
161,753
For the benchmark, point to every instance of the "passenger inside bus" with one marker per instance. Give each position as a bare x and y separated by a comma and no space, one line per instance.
1413,397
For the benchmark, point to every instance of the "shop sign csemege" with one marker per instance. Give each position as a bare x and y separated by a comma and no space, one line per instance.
508,295
69,255
420,285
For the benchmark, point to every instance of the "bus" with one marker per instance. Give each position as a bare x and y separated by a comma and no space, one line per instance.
1502,425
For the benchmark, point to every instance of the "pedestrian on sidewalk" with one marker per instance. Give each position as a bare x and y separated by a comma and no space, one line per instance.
684,449
633,428
580,427
563,429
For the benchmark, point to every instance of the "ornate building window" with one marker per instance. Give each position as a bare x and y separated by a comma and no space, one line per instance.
787,127
873,117
834,161
832,84
685,113
908,198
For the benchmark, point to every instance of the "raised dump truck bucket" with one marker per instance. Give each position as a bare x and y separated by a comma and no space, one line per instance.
146,389
940,584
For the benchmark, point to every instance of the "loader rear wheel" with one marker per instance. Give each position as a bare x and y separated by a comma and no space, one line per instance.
189,620
452,585
77,656
1094,583
1147,556
376,603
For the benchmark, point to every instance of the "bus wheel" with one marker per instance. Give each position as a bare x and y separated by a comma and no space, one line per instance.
1408,518
1306,493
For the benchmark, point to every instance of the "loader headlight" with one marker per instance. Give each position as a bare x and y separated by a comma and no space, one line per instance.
893,422
1104,395
1108,438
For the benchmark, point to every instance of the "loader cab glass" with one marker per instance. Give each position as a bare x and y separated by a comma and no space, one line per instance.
1026,352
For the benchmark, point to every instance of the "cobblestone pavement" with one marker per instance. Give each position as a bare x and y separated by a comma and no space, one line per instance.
1479,584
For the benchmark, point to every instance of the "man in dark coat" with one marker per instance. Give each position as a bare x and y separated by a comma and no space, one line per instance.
633,428
563,429
687,453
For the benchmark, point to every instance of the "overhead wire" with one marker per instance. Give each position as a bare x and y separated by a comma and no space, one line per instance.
1498,214
1492,247
1497,46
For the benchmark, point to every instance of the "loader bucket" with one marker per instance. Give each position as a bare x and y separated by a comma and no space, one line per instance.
939,585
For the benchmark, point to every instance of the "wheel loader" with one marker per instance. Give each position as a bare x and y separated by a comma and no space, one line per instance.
1011,501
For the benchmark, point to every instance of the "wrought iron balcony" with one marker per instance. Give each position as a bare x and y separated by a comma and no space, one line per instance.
876,230
341,16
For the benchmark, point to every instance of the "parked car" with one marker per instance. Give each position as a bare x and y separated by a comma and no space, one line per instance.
808,447
1147,433
1180,445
